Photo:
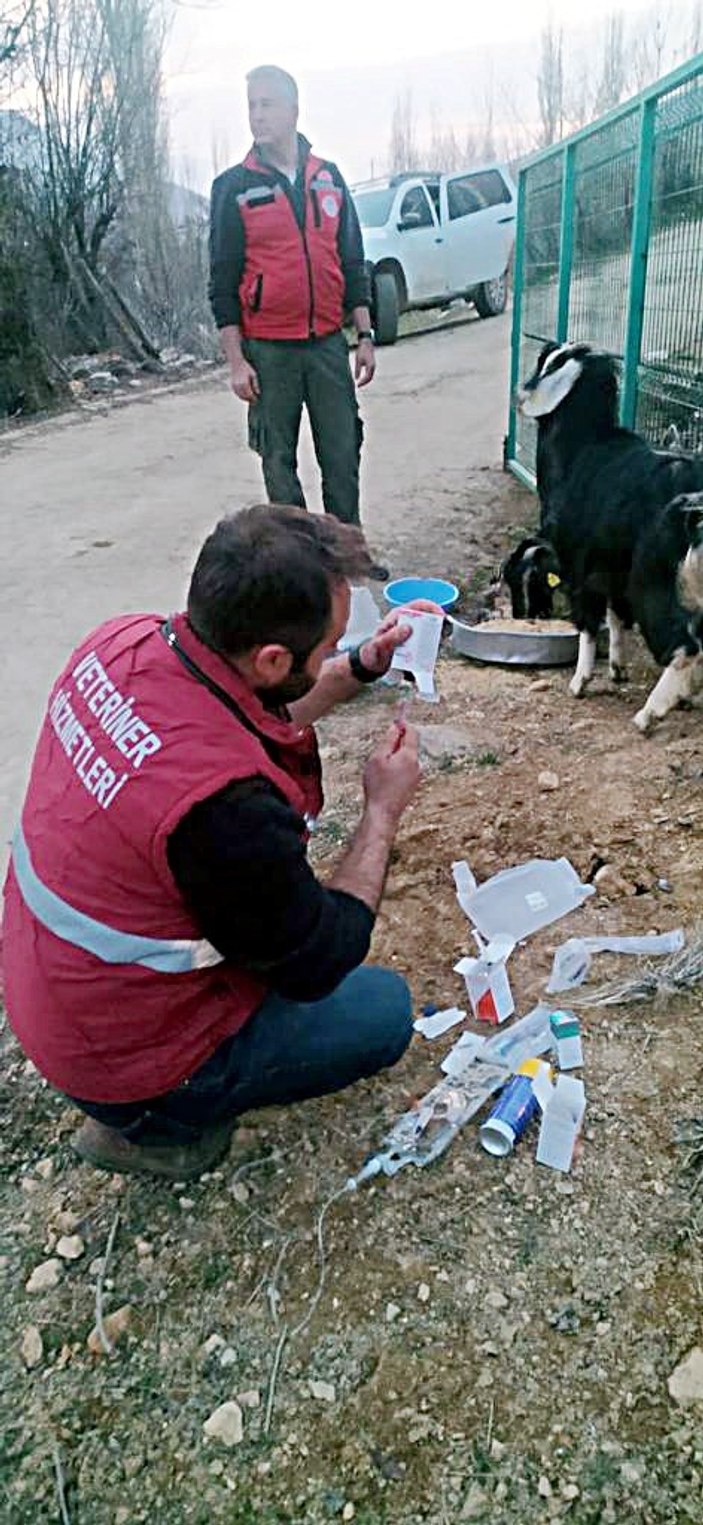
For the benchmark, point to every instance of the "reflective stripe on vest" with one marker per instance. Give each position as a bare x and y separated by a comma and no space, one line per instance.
165,954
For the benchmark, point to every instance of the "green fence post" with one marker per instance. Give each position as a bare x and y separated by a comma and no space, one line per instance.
638,262
518,282
566,243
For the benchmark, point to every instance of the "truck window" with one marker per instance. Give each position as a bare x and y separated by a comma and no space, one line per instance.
473,193
415,206
432,188
374,207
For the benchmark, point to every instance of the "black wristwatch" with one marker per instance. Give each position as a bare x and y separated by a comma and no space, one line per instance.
365,333
357,669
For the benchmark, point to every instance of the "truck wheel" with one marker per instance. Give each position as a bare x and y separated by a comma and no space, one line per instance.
491,297
386,307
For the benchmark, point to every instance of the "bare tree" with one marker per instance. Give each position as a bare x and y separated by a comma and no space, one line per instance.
14,19
550,85
612,84
579,108
650,48
25,383
488,146
694,41
402,149
96,70
445,152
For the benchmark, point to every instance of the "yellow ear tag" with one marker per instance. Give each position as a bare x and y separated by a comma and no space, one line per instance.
553,580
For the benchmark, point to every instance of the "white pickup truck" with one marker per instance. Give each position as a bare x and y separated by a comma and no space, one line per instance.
431,238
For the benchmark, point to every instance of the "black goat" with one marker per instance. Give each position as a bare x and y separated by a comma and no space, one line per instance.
527,573
624,522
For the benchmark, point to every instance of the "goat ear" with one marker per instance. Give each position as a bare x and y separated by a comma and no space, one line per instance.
547,349
548,392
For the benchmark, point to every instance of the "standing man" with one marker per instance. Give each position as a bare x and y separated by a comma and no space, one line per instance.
286,266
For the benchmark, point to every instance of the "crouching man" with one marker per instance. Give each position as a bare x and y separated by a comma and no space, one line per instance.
171,960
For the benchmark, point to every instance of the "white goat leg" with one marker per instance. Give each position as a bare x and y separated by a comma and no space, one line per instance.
585,664
616,648
677,682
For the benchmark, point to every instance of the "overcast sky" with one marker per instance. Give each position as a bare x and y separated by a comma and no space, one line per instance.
345,58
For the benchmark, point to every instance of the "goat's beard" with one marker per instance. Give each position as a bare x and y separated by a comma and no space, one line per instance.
690,580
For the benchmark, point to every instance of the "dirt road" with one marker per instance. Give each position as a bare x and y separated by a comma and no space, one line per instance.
104,511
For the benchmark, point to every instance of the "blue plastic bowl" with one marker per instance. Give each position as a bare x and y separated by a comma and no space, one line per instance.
405,589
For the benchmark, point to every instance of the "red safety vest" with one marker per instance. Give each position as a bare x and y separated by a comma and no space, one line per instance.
292,284
110,987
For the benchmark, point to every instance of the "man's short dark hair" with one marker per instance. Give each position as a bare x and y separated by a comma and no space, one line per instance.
266,575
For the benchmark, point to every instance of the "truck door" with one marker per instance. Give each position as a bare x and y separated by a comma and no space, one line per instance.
478,217
421,246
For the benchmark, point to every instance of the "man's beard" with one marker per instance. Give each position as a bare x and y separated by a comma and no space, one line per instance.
296,686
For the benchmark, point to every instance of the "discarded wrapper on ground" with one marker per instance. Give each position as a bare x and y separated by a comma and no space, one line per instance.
572,960
487,983
439,1022
563,1105
519,901
422,1134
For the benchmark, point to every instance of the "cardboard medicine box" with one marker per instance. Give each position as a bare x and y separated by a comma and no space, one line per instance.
563,1107
487,983
566,1037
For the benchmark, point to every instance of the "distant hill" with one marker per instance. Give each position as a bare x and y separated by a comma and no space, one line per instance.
20,148
20,141
185,205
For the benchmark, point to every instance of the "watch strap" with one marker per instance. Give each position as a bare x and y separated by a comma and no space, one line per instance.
357,669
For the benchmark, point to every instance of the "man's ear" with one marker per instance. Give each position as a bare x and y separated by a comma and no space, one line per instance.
270,664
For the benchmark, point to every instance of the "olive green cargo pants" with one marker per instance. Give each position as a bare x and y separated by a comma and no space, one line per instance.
314,373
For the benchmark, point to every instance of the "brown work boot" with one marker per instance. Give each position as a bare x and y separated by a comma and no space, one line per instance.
107,1149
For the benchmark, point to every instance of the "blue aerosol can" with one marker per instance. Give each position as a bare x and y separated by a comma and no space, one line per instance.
513,1112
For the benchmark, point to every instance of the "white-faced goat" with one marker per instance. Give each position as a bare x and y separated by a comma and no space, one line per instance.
623,521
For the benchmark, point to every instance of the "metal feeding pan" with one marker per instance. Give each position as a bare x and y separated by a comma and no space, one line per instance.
522,647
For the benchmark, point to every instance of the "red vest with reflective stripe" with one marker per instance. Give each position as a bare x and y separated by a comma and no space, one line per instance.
292,285
130,742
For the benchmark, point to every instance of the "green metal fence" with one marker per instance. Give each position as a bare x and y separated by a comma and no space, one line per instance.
610,250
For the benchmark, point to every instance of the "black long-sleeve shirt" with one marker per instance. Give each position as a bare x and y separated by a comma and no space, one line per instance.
227,248
240,862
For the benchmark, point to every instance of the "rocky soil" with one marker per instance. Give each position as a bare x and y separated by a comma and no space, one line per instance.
493,1342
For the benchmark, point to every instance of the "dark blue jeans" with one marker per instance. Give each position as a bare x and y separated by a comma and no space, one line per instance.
288,1051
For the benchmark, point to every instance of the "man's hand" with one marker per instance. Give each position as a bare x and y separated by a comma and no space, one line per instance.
391,777
244,381
364,362
377,652
392,773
